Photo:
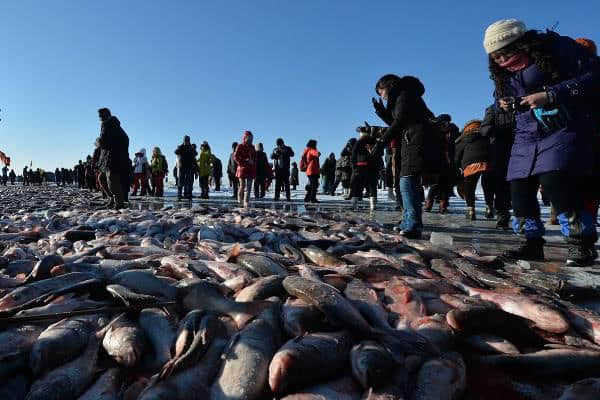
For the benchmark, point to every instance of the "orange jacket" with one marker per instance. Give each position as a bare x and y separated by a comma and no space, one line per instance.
312,159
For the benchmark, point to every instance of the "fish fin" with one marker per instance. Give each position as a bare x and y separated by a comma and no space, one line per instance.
233,252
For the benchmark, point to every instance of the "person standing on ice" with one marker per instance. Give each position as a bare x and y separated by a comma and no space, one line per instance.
160,169
12,176
114,159
234,182
416,138
551,83
281,162
309,163
186,168
366,163
245,158
140,166
204,169
294,179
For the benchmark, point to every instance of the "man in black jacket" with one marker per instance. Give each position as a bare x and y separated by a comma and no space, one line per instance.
328,173
114,158
409,123
186,156
499,126
281,163
217,172
232,171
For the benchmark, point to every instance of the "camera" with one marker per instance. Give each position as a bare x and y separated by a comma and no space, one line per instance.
375,131
514,104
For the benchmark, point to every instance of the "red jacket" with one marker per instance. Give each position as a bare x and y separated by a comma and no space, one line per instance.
312,159
245,157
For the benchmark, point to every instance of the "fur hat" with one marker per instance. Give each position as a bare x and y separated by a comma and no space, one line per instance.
472,126
588,44
502,33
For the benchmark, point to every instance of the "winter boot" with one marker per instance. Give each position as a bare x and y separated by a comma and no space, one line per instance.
580,255
553,216
531,250
503,221
489,213
471,214
390,194
443,206
428,204
373,201
354,203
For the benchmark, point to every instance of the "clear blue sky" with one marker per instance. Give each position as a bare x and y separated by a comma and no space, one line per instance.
211,69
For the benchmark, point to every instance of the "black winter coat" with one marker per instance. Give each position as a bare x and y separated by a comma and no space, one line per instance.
114,143
499,127
328,167
281,157
231,166
367,153
262,163
217,171
472,148
419,142
187,156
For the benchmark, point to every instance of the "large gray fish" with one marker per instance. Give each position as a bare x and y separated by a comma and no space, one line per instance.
62,342
308,359
145,282
207,296
22,296
394,389
124,341
196,332
442,379
260,264
158,329
70,380
42,268
372,364
321,257
587,389
367,302
344,388
15,345
245,371
339,311
262,289
107,387
191,383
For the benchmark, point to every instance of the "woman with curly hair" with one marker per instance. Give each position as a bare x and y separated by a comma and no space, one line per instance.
548,81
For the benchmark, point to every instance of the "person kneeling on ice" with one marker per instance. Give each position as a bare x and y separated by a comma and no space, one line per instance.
366,163
551,82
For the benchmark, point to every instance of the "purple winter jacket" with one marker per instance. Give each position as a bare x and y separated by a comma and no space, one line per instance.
536,151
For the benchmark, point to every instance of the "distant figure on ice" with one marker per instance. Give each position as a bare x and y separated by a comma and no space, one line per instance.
186,155
245,158
281,163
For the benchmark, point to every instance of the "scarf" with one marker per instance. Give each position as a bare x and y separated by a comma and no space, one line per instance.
516,63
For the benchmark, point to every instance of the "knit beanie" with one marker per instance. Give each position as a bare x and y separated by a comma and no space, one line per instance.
472,126
502,33
588,44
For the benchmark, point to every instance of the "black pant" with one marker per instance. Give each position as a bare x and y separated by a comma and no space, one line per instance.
564,191
282,181
487,182
313,187
217,183
363,178
501,193
186,183
204,187
259,187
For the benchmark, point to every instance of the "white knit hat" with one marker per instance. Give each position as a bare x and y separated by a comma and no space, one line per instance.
502,33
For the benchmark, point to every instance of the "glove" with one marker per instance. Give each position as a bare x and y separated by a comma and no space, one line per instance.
381,111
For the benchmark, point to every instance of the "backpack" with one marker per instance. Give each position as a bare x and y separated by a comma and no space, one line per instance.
303,163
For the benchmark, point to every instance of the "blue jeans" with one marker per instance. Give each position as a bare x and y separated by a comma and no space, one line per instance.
410,188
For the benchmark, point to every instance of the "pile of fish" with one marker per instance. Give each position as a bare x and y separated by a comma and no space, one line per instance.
218,303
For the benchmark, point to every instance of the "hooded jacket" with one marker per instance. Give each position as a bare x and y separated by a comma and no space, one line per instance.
419,143
312,160
140,162
204,162
114,143
245,158
472,148
569,148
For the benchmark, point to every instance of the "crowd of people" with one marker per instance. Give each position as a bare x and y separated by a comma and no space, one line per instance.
541,133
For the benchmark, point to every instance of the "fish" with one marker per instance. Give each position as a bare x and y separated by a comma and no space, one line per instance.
344,388
481,275
490,344
42,268
308,359
586,389
14,388
367,302
372,364
404,301
262,289
159,332
124,341
62,341
107,386
442,378
298,318
145,282
15,345
339,311
245,370
193,337
70,380
260,265
321,258
207,296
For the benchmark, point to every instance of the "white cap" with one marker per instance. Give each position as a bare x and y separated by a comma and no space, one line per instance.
502,33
